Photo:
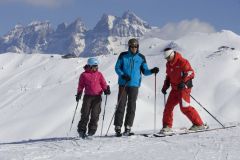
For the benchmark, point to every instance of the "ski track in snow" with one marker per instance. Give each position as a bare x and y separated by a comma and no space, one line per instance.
213,145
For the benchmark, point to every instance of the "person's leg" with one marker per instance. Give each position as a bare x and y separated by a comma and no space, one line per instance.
120,110
95,112
131,106
172,101
188,110
85,111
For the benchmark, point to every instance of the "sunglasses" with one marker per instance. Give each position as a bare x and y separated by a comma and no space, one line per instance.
94,66
167,58
133,46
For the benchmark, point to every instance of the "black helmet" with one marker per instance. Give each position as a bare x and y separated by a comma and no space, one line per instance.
133,42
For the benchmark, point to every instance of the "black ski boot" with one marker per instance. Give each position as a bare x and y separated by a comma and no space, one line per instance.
118,131
127,131
82,134
91,132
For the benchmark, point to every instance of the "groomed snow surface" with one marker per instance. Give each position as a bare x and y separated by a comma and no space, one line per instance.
214,145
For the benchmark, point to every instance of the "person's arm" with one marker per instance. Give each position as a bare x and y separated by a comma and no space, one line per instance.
80,84
80,88
188,72
144,67
119,65
166,84
187,75
103,82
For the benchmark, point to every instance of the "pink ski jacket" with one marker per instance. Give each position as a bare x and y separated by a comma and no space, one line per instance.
93,82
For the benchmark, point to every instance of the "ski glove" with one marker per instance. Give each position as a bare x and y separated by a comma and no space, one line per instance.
181,86
164,91
107,91
189,83
78,96
126,77
155,70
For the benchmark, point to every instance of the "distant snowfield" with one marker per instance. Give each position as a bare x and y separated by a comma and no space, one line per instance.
38,100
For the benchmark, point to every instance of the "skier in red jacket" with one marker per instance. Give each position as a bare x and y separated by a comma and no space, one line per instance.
94,84
179,75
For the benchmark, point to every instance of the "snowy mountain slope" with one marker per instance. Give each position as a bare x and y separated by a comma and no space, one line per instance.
38,100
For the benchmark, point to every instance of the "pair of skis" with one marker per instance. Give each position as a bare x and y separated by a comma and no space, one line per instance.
184,132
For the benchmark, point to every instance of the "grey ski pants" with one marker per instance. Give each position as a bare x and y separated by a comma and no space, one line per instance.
126,95
91,108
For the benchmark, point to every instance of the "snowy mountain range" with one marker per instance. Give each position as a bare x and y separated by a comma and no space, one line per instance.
74,38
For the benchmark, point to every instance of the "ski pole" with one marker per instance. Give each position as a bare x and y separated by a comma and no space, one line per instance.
104,114
207,111
116,108
73,117
155,108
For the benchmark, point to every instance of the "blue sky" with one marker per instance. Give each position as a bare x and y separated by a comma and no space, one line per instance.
221,14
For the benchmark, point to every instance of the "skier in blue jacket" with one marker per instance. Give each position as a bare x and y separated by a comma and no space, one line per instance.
129,67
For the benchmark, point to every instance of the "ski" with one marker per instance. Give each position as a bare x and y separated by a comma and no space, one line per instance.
184,132
206,130
120,135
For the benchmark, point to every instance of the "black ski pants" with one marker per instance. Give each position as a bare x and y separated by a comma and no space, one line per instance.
91,108
126,95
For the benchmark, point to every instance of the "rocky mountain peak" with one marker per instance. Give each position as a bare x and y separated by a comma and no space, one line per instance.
39,36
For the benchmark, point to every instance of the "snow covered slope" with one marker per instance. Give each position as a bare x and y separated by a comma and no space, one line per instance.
203,146
38,100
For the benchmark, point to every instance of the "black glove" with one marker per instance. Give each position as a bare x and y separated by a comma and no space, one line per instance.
181,85
107,91
126,77
78,96
164,91
155,70
189,84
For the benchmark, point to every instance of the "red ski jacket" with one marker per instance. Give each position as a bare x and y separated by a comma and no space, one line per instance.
93,82
178,70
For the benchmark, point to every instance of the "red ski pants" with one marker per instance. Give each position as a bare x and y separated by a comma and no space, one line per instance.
183,99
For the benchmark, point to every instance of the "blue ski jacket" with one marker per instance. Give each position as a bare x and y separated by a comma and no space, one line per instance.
132,65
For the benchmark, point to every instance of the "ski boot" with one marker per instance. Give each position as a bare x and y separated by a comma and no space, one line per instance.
198,128
165,130
82,134
91,132
118,131
127,131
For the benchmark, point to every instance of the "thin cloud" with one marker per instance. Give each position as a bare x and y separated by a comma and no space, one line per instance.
176,30
39,3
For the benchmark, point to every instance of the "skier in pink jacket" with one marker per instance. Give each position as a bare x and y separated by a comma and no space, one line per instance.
93,84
